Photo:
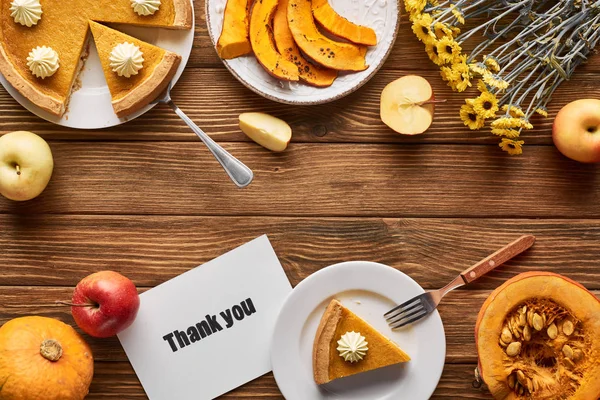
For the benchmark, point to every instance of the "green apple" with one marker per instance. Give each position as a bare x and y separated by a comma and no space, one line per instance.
576,130
26,165
266,130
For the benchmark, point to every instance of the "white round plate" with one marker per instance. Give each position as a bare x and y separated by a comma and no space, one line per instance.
90,107
368,289
381,15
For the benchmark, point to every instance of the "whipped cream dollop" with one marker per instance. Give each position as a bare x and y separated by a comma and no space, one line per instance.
26,12
145,7
43,61
352,346
126,59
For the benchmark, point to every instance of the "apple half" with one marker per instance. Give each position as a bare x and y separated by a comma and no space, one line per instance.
407,105
266,130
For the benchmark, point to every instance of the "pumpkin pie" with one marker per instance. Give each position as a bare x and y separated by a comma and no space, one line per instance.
64,28
338,321
129,94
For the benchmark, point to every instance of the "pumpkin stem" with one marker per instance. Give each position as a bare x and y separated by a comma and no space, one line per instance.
51,350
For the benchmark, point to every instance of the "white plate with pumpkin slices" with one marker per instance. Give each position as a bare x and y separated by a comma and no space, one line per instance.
367,290
309,53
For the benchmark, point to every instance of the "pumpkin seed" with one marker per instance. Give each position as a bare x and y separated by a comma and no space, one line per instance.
536,385
513,349
530,317
502,344
529,385
568,328
552,331
567,351
527,333
511,381
544,319
538,322
521,377
522,320
506,336
569,363
577,354
521,391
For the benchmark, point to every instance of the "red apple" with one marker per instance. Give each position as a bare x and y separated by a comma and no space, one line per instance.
576,130
105,303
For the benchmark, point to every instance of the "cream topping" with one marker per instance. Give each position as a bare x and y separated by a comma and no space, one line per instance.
145,7
26,12
352,346
43,61
126,59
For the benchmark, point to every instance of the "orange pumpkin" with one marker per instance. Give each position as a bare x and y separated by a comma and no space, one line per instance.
234,41
43,358
538,337
337,25
261,38
318,47
312,74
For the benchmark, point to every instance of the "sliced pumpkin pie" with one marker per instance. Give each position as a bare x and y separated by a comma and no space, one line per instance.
346,345
135,71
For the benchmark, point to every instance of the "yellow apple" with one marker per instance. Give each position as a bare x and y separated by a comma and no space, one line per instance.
576,130
407,105
266,130
26,165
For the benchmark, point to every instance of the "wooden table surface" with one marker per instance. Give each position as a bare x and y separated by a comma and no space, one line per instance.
147,199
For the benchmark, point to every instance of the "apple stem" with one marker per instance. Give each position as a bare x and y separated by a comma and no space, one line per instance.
432,102
67,303
18,168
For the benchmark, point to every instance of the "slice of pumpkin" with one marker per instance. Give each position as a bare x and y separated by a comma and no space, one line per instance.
261,38
321,49
234,40
337,25
312,74
537,337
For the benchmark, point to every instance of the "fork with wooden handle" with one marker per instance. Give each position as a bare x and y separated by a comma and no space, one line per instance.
423,304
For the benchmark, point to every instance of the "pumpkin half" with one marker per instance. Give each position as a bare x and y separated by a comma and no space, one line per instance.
318,47
538,337
312,74
234,41
337,25
43,358
263,45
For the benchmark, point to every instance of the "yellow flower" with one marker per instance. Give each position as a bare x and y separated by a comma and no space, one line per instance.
421,27
458,15
486,105
543,111
492,64
442,30
449,74
513,111
511,122
495,81
415,6
478,68
509,133
431,50
448,49
470,118
482,87
512,147
455,31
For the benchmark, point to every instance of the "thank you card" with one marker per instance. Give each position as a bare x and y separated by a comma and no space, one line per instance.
208,330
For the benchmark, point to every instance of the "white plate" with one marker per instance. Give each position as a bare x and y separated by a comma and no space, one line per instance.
381,15
90,107
368,289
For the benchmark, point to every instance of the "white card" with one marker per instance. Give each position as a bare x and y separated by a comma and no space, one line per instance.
208,330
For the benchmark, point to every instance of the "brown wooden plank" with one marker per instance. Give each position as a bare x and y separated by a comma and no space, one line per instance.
214,99
458,312
61,250
117,380
316,180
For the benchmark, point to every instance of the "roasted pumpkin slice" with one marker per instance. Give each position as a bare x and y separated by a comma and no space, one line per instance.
538,337
312,74
321,49
337,25
234,40
261,38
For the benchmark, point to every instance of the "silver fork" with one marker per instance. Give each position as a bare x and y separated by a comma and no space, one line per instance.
239,173
423,304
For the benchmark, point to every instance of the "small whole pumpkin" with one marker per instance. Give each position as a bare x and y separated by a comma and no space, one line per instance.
538,337
43,358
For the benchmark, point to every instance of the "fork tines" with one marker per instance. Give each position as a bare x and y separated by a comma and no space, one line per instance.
408,312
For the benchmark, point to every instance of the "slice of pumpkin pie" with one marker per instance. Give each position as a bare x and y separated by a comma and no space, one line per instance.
346,345
136,72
